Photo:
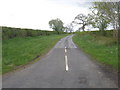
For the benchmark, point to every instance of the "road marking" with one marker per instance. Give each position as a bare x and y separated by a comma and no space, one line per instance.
66,63
65,50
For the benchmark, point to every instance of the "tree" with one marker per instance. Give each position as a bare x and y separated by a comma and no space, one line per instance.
69,28
56,25
81,20
111,10
99,20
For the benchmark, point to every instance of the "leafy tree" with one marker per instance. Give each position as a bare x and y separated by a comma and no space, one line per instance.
99,20
56,25
110,10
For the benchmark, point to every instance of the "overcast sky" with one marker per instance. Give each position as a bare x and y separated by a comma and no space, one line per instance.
36,14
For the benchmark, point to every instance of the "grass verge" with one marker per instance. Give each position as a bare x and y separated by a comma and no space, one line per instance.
19,51
103,49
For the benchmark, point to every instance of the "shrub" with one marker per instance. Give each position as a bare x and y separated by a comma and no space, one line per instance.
9,32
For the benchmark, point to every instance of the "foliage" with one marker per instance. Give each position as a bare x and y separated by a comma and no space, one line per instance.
111,11
56,25
100,21
9,32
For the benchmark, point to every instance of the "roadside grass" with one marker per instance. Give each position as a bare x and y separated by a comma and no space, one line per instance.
20,51
104,49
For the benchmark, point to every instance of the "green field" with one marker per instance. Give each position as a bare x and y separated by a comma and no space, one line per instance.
101,48
19,51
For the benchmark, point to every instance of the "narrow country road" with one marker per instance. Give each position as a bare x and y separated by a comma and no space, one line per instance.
65,66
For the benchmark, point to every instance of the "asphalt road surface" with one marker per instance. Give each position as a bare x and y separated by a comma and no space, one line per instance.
65,66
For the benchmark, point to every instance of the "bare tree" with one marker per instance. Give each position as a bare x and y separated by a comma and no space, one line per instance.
81,20
69,28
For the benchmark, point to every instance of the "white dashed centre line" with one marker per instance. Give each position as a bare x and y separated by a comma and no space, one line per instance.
65,50
66,60
66,63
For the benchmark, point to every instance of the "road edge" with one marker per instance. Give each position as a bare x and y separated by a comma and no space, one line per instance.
33,61
107,69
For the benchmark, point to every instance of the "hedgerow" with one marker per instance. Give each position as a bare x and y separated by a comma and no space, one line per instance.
10,32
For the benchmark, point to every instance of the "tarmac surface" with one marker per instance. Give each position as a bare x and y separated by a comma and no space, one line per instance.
65,66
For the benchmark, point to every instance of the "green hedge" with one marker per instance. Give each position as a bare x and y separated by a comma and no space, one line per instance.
9,32
108,33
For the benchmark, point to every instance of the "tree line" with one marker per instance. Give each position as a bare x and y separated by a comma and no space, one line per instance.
58,26
10,32
103,14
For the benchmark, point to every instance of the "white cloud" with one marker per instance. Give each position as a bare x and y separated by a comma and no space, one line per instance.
37,13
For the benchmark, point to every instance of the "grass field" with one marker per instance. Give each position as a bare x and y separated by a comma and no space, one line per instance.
104,49
19,51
